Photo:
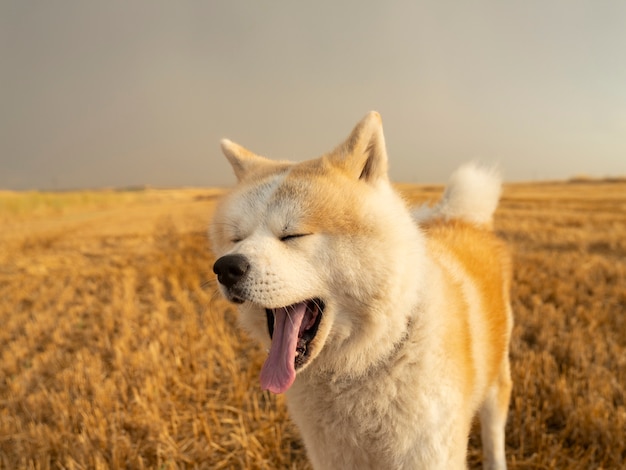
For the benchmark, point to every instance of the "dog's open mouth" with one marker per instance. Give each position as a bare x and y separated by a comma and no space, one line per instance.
292,329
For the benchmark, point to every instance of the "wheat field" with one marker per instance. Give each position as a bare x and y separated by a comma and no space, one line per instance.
117,352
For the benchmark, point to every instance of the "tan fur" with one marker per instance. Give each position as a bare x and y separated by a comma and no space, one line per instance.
413,340
486,260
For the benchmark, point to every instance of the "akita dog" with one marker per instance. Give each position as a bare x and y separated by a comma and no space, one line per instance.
387,330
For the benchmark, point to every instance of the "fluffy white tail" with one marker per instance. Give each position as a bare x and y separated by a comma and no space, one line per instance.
472,195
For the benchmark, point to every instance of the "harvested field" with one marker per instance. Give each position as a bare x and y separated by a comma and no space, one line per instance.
117,352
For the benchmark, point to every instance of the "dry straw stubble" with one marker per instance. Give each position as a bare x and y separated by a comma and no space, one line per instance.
116,350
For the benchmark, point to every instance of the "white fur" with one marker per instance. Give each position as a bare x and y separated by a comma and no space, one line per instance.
384,387
472,194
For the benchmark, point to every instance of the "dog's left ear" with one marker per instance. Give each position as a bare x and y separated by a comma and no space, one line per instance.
363,155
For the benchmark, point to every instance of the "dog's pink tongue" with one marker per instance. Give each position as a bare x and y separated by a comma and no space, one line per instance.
279,372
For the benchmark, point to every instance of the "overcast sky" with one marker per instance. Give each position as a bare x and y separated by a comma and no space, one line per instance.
121,93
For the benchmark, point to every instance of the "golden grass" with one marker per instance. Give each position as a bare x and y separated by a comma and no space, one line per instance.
116,353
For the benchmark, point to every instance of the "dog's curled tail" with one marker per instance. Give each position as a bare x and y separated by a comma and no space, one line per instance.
472,194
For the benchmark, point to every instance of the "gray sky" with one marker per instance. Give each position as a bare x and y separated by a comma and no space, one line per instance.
122,93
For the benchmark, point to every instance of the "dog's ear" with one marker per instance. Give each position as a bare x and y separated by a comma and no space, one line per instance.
363,155
243,161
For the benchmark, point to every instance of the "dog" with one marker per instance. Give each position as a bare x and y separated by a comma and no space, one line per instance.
387,329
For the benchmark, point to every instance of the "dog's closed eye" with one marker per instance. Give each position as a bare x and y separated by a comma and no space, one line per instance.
292,236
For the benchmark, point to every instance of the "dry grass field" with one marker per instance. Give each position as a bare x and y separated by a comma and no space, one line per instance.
117,352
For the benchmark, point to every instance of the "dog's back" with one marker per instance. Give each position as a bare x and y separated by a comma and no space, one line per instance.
476,268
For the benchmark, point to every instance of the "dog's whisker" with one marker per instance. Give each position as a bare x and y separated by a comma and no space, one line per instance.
317,305
204,285
288,315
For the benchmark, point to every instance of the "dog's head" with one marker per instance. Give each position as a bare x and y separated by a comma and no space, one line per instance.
291,240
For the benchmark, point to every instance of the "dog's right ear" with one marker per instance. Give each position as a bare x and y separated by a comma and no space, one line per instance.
363,155
243,161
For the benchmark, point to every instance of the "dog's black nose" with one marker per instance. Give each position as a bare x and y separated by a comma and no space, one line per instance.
230,269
